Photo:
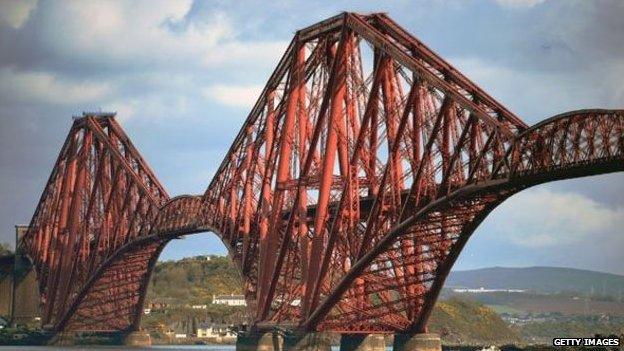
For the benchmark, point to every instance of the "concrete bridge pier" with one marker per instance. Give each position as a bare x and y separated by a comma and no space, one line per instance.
417,342
63,339
137,339
133,339
259,341
312,341
362,342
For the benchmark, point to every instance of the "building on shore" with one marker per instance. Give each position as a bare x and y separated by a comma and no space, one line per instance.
229,300
215,332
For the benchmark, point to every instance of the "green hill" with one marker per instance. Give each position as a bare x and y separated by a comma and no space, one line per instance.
467,322
194,280
539,279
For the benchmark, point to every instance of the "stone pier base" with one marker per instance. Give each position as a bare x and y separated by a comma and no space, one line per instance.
137,339
132,339
63,339
259,341
417,342
307,342
362,342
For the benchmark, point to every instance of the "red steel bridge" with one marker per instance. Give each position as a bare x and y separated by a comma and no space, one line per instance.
359,175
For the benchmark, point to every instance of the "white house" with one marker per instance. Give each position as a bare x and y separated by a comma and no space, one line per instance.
215,331
230,300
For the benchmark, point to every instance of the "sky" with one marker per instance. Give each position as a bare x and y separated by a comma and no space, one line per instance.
182,76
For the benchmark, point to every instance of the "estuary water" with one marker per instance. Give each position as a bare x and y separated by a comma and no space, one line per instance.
121,348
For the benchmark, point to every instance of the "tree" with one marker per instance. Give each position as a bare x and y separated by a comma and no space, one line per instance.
5,249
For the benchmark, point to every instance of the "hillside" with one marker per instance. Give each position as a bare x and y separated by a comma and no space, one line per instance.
194,280
5,249
539,279
468,322
566,304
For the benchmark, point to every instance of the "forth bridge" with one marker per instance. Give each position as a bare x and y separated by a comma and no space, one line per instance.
360,173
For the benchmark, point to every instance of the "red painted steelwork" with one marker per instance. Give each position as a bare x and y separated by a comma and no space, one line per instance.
349,192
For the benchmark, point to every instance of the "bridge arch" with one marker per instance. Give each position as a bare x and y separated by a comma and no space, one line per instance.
573,151
177,217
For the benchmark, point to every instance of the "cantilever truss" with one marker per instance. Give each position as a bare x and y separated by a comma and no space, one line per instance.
349,192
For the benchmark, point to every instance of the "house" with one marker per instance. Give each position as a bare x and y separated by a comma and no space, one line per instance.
199,307
217,332
230,300
147,311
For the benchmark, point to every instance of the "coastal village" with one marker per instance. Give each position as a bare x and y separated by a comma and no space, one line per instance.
191,329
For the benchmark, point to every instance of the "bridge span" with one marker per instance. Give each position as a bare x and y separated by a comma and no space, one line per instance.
359,175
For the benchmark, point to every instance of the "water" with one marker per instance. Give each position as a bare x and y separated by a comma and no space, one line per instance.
121,348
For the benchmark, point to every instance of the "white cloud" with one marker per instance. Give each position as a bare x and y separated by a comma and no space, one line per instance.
150,108
519,3
150,51
41,87
536,95
15,13
148,33
128,31
544,218
232,95
250,54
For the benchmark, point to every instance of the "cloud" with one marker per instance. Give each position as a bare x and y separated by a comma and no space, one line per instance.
125,32
146,35
42,87
248,54
153,108
15,13
519,3
543,218
232,95
536,95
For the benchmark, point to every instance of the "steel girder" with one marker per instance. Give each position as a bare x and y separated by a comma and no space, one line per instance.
349,192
